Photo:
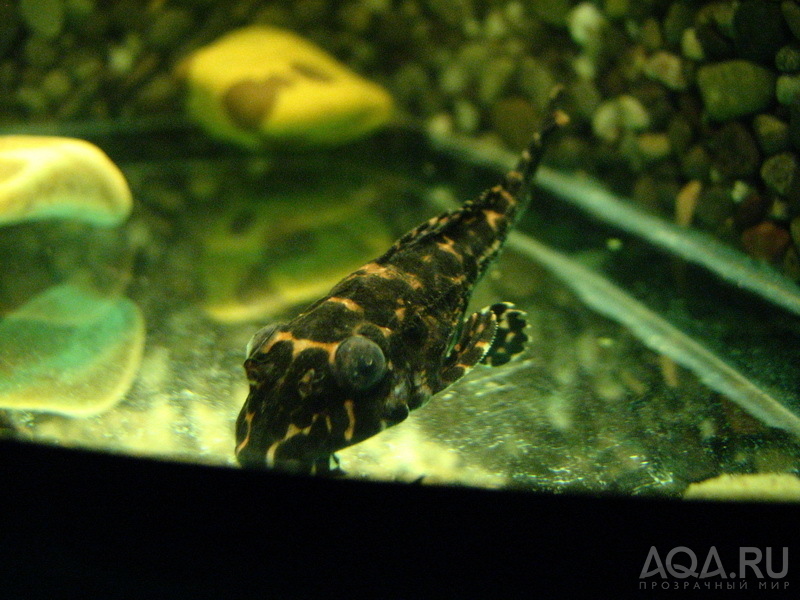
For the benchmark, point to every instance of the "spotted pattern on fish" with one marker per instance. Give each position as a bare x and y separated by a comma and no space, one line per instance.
387,337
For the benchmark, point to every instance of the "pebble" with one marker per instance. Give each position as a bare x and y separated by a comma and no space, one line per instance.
31,100
494,26
715,206
696,163
751,210
40,52
734,152
617,115
616,9
553,12
781,173
653,146
766,241
794,229
791,14
467,117
787,89
453,79
158,94
585,98
791,263
691,47
680,134
355,18
686,202
719,15
778,211
771,133
679,17
650,35
586,25
169,28
645,193
788,59
452,12
9,27
56,85
515,120
759,30
43,17
535,80
735,88
495,79
667,68
409,80
473,58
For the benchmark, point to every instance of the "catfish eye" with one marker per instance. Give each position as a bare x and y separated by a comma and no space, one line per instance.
259,337
359,362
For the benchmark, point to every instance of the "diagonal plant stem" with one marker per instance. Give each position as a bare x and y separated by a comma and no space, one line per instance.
658,334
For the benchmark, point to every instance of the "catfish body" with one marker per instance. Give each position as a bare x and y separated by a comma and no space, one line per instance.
387,337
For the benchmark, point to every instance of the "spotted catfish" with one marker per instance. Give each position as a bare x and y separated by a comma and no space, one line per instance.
387,337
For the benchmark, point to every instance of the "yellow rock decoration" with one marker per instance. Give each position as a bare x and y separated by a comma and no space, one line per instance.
260,85
759,487
45,177
69,351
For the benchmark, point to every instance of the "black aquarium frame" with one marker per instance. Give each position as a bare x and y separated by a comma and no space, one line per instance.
83,524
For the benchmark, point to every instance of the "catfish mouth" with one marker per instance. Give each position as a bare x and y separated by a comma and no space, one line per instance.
274,438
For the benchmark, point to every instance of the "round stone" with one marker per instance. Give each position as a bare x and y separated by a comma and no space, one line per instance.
679,17
553,12
772,134
751,210
691,46
56,85
618,115
780,172
9,27
766,241
788,59
735,88
43,17
791,13
680,133
514,120
794,229
695,163
653,146
170,27
715,206
668,69
733,150
495,79
787,89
